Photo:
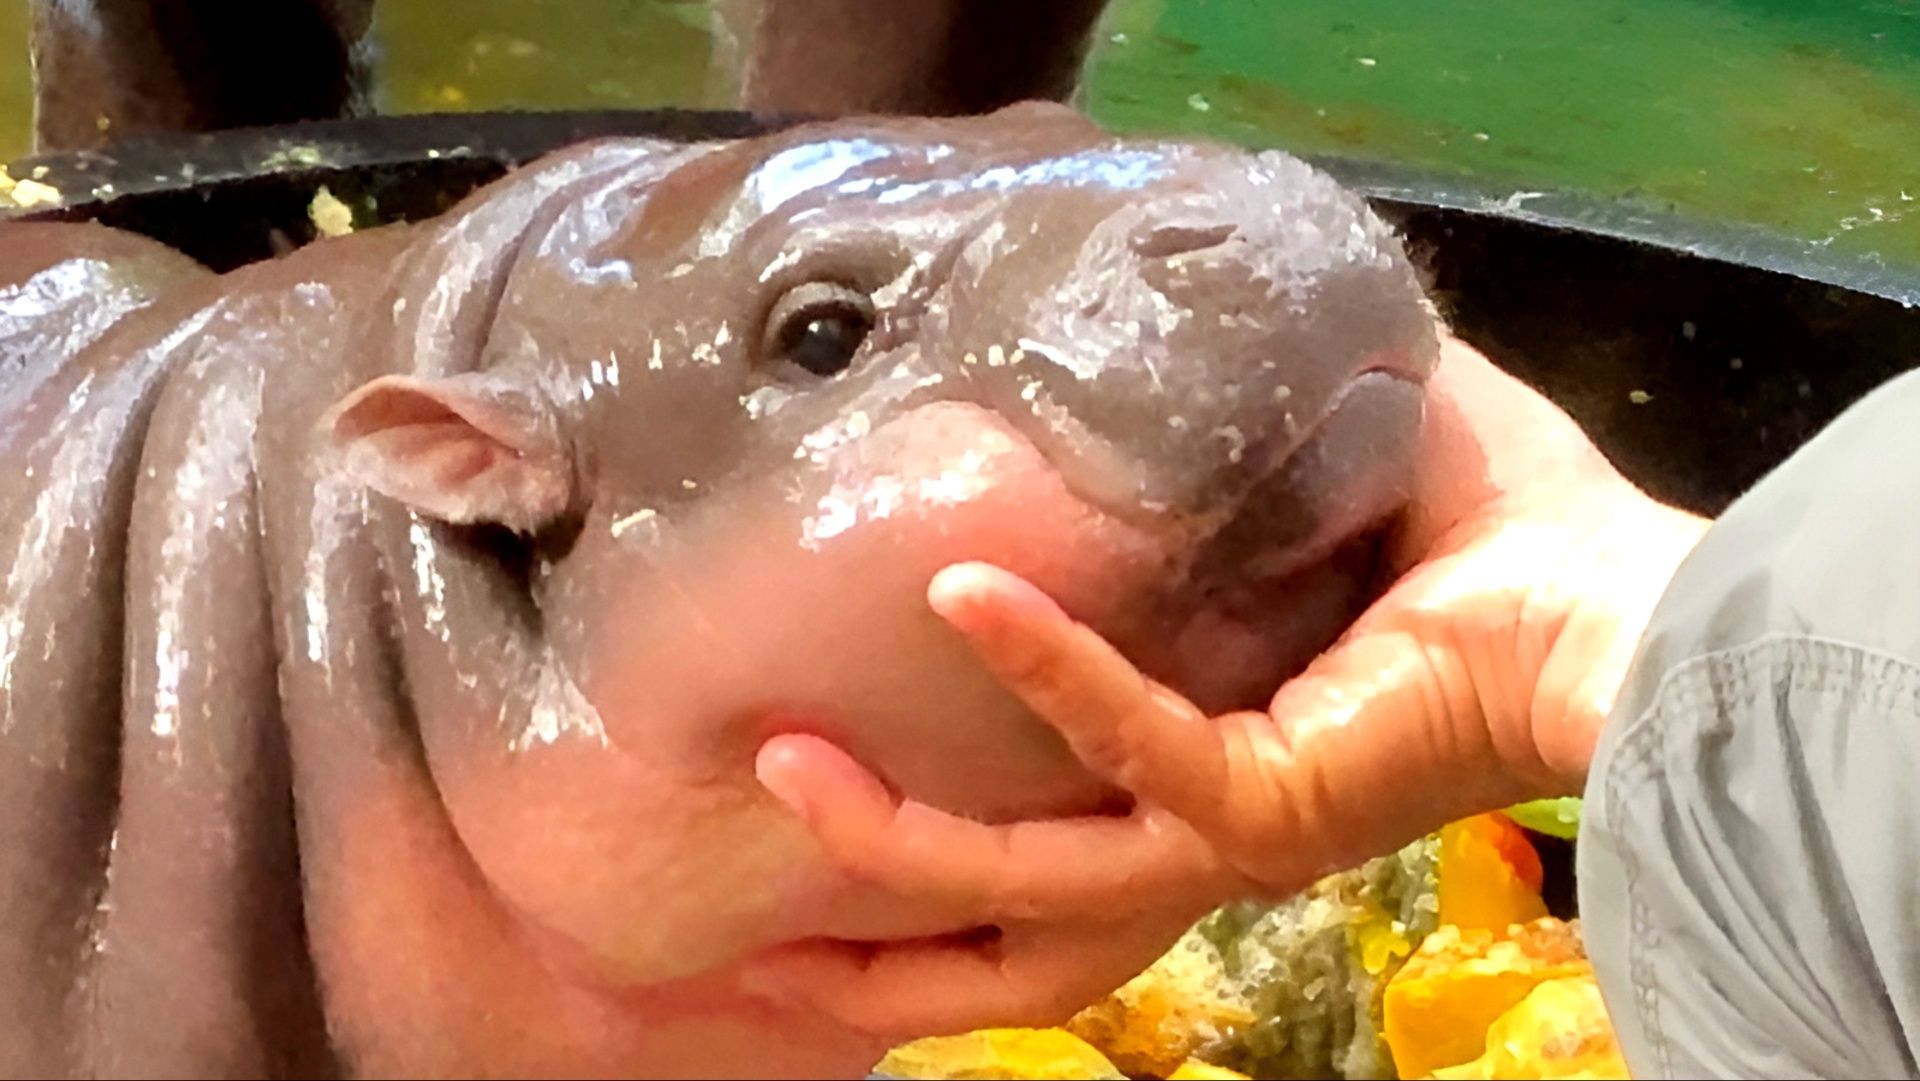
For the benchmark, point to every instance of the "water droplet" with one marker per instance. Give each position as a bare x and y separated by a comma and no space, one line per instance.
639,517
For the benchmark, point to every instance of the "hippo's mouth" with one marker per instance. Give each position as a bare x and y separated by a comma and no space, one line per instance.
833,971
1260,586
863,953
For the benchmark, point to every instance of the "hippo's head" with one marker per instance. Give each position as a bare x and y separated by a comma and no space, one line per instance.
734,405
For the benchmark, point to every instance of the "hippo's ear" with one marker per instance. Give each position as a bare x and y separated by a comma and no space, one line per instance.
461,449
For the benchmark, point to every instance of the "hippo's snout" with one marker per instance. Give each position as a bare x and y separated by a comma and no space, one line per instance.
1198,337
1230,359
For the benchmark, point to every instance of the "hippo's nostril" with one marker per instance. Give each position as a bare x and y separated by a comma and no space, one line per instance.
1167,241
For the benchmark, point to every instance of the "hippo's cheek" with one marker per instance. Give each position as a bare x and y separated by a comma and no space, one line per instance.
630,872
629,876
429,974
799,601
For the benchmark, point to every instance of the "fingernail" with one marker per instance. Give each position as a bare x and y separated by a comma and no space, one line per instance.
954,586
773,768
971,593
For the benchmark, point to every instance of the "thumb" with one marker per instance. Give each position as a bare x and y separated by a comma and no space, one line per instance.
1379,742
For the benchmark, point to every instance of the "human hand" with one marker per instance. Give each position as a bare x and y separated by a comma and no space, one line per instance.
1525,569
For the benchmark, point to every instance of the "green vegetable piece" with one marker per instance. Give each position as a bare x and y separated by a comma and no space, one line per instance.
1554,817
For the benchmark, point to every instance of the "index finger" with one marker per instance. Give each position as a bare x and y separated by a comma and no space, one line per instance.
1122,725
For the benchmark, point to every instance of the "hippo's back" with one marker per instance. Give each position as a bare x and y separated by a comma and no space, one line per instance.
149,890
62,286
152,417
69,453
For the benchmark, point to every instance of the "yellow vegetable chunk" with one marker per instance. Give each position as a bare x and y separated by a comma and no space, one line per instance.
1006,1054
1559,1032
1164,1016
1439,1006
1195,1070
1489,874
330,216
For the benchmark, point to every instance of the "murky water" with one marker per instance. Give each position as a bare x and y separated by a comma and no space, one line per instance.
1796,115
16,79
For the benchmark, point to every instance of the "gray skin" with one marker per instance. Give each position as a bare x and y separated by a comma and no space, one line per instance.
110,68
387,631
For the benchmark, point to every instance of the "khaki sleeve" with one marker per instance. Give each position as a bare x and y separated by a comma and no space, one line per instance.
1749,859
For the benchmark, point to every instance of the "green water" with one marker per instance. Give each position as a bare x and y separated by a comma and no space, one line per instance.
1798,115
499,54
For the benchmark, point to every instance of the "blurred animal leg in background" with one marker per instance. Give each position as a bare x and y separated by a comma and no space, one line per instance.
938,57
108,68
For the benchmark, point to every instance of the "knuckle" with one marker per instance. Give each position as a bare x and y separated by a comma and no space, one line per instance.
1028,664
874,856
1110,748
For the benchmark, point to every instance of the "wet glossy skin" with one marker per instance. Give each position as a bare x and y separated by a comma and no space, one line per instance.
469,565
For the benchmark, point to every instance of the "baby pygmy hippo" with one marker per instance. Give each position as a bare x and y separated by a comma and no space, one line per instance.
387,631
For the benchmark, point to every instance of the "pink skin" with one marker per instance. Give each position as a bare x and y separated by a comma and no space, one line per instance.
726,899
685,745
469,991
1480,679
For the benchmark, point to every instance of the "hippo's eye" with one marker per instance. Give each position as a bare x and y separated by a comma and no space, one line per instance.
819,326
